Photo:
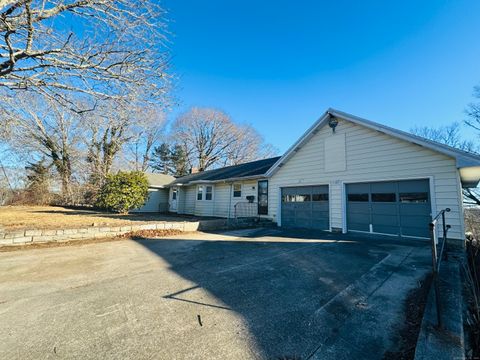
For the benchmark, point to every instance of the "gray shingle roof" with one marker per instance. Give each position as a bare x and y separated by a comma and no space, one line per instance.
254,168
158,180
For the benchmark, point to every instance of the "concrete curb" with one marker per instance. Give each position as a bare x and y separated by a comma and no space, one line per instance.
446,343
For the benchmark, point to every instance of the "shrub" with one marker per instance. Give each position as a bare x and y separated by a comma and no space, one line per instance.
123,191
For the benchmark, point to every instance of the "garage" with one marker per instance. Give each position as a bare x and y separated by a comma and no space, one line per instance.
305,207
400,208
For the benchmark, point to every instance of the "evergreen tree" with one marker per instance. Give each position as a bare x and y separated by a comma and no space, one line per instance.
179,162
161,159
38,182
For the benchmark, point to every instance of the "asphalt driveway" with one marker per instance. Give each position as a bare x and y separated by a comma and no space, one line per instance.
237,295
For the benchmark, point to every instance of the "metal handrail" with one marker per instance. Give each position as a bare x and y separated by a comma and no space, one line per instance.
247,209
438,255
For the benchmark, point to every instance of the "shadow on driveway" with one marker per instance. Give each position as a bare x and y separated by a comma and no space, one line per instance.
301,294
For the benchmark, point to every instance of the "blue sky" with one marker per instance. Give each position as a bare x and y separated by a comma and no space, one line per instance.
279,65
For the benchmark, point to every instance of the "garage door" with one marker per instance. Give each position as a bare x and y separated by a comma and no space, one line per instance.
394,207
305,207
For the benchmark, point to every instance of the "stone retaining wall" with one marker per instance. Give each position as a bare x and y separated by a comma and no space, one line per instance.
22,237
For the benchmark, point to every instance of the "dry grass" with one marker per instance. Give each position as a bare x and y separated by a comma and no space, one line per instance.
52,217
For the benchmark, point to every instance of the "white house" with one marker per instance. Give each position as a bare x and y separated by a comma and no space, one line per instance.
344,174
157,193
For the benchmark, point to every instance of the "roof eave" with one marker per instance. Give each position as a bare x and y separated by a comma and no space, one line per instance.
241,178
462,159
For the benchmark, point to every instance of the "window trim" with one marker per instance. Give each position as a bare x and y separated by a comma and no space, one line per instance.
206,192
200,193
233,190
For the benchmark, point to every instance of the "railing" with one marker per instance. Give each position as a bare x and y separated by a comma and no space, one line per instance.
245,210
437,256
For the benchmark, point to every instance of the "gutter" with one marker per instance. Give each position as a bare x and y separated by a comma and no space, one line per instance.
228,180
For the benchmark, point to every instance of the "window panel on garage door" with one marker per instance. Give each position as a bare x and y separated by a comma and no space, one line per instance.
391,207
305,207
358,209
384,208
414,207
288,206
320,207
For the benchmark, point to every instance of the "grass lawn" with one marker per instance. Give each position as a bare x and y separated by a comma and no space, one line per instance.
53,217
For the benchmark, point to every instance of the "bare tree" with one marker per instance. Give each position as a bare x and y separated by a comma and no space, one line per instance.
210,138
473,121
450,135
249,145
121,134
43,129
99,49
148,128
106,135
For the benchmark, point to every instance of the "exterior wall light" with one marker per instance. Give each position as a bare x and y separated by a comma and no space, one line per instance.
333,122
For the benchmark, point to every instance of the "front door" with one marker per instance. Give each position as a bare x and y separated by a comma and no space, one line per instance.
173,200
263,197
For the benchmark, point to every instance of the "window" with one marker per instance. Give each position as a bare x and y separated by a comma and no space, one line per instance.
208,192
288,198
174,194
303,197
384,197
237,190
200,193
357,197
263,197
414,197
320,197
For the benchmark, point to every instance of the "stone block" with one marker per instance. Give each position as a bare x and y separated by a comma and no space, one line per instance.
22,240
43,238
33,232
191,226
14,234
49,232
148,227
6,242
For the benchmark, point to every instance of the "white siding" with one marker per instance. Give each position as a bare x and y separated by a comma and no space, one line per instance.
186,200
205,207
157,201
222,199
370,156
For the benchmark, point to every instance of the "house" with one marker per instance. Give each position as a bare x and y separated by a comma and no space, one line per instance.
158,191
344,174
229,192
